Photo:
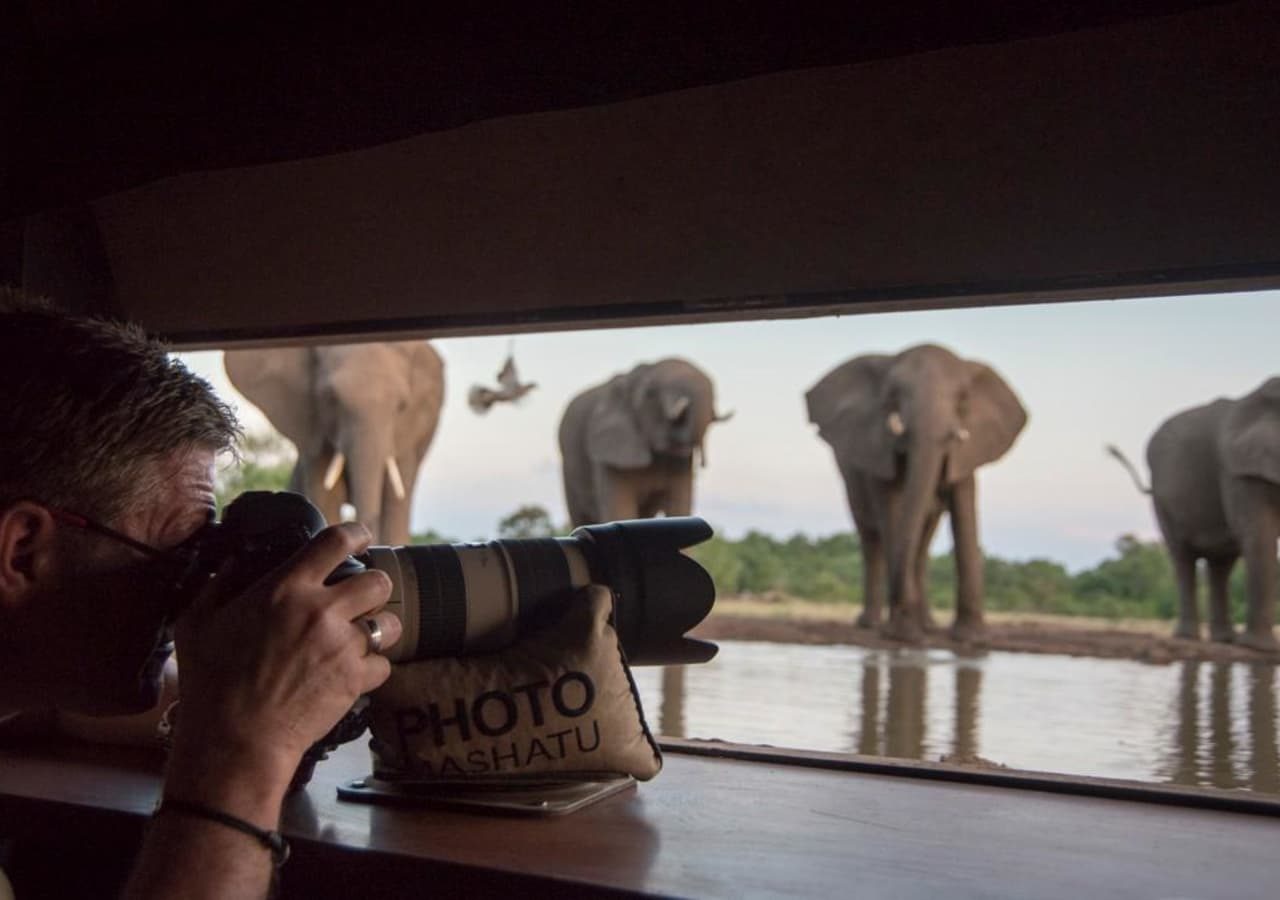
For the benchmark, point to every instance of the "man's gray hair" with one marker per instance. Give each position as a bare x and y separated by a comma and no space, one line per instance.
89,406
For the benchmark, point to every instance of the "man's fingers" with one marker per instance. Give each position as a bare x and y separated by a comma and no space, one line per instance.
361,594
385,624
326,551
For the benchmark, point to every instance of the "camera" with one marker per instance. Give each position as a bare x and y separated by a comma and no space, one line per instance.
456,599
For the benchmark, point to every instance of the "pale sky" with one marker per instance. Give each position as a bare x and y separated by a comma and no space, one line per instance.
1088,373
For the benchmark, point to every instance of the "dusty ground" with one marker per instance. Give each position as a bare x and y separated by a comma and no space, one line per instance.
786,620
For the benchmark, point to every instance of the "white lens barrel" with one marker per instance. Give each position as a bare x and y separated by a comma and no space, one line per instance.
475,591
492,612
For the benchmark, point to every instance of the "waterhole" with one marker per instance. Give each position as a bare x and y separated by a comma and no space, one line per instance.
1192,723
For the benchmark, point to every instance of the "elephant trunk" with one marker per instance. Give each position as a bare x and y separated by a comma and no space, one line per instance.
366,473
916,497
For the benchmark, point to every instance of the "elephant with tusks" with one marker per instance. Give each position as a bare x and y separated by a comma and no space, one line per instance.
362,417
1215,486
909,432
628,445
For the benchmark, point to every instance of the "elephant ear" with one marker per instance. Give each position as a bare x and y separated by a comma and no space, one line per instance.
847,406
426,392
1250,442
613,436
994,417
277,381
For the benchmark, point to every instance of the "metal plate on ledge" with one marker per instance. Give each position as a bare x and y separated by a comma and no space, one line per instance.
541,797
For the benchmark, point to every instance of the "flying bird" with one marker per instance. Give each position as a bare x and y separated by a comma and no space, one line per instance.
509,390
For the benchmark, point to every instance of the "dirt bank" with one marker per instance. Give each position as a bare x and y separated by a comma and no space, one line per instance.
784,620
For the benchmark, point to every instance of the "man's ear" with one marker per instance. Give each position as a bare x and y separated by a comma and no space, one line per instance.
28,537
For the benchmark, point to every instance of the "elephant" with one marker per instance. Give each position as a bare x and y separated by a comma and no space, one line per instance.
908,432
1215,487
362,417
628,445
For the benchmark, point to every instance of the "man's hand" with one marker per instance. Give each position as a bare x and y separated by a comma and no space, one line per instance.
266,673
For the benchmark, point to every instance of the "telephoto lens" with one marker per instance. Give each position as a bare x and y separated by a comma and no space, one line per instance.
456,599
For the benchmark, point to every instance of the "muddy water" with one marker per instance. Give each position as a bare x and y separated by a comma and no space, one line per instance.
1192,723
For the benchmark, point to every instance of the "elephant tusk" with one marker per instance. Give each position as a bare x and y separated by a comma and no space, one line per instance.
676,408
962,434
334,472
724,417
393,475
896,425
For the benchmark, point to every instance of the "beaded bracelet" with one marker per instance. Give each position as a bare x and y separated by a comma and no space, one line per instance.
272,840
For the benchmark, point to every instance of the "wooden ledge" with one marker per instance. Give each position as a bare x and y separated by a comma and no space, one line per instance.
718,821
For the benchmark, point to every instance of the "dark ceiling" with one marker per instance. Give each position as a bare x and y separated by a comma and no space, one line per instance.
96,97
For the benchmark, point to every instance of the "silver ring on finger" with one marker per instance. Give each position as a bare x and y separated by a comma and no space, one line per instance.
374,634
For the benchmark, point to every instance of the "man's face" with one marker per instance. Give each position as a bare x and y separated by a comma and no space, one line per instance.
112,606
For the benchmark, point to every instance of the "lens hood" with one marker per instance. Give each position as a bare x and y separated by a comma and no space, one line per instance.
662,592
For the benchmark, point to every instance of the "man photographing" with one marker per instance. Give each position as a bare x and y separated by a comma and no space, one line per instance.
107,452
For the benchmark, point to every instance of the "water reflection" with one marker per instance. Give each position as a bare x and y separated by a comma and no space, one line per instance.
1264,761
1187,723
901,730
968,686
1205,748
671,716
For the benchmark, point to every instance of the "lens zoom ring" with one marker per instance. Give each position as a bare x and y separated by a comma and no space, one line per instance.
442,601
541,572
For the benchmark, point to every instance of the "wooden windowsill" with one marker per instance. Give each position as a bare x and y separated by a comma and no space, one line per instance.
703,827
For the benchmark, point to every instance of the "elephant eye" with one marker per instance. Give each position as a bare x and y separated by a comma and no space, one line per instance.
962,405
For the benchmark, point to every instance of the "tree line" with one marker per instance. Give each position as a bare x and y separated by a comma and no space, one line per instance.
1136,581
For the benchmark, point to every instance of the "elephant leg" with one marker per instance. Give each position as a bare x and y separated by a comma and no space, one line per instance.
922,570
969,622
1184,572
903,605
1260,583
875,574
1183,559
1220,628
1253,511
